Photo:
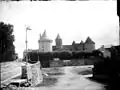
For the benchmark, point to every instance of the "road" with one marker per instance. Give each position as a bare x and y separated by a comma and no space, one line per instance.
70,78
64,78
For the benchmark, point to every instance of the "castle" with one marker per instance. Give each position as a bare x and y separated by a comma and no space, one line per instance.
87,46
45,45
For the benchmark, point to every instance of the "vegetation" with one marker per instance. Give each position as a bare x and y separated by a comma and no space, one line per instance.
7,48
46,58
109,68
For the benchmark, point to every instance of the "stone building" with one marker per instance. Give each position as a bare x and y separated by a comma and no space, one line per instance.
87,46
105,51
45,44
58,41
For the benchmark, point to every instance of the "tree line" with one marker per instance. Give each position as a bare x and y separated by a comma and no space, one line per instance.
7,48
46,58
65,55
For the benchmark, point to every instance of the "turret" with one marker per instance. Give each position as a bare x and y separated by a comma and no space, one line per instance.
73,43
89,45
45,44
58,41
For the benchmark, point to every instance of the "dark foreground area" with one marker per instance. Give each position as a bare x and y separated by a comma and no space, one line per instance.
109,84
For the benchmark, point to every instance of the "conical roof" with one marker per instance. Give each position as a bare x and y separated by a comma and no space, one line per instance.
44,37
40,36
81,42
58,37
44,34
89,40
73,42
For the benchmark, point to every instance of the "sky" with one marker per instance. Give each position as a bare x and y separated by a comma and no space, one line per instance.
72,20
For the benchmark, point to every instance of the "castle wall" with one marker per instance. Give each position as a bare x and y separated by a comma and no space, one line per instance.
81,47
89,47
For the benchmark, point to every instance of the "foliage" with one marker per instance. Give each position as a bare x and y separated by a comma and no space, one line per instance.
65,55
7,48
110,67
46,58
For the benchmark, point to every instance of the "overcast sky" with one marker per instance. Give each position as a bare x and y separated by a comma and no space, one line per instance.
72,20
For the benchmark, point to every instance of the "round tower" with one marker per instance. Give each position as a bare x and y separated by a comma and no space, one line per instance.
45,44
58,41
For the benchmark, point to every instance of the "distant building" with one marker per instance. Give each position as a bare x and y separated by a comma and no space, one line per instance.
88,46
105,51
45,44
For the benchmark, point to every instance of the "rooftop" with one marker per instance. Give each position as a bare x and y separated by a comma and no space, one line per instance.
44,37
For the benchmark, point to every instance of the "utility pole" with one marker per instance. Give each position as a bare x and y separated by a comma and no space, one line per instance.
26,48
38,55
27,28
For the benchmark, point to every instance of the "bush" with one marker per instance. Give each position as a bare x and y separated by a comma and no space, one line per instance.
62,55
44,58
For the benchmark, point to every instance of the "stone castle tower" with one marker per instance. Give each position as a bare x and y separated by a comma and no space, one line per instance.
45,44
89,45
58,41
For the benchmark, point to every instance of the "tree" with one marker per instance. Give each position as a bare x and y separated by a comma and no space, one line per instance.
7,48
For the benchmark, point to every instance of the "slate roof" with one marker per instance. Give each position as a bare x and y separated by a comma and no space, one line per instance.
44,37
58,37
81,43
89,41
